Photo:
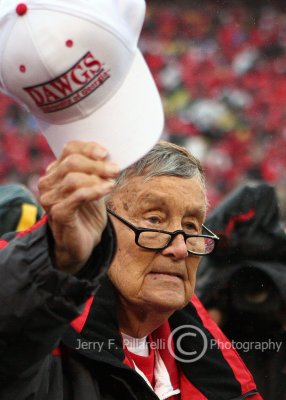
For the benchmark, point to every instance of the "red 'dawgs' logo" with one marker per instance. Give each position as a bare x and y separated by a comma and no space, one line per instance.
78,82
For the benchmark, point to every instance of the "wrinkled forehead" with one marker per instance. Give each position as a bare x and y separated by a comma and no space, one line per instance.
187,195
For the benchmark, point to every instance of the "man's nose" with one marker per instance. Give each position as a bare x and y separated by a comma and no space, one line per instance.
177,248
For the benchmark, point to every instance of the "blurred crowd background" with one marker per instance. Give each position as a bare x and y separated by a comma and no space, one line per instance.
221,69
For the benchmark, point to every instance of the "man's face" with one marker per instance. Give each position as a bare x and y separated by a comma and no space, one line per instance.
158,280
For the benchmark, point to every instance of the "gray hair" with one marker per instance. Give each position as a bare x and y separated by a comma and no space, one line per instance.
164,159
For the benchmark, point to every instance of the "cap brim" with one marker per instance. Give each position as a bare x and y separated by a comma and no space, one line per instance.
128,125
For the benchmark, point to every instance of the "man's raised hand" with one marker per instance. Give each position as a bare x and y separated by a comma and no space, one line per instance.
72,193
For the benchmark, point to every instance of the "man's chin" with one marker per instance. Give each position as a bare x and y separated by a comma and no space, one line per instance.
165,301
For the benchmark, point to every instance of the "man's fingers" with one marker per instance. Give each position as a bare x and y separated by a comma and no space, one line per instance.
89,149
51,166
77,164
72,163
80,163
64,211
74,182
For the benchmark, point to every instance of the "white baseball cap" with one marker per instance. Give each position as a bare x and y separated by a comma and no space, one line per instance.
76,66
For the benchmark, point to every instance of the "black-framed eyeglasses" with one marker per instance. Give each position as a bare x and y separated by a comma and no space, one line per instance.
154,239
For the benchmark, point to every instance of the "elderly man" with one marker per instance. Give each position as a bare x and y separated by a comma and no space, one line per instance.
137,336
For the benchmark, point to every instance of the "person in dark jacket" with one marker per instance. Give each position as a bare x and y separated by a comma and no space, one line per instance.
243,282
71,328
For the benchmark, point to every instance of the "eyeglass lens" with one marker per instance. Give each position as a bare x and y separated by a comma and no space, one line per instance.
153,240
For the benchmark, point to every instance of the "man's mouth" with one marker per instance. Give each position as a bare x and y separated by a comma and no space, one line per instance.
166,275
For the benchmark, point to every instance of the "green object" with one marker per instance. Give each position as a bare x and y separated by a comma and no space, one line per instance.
19,209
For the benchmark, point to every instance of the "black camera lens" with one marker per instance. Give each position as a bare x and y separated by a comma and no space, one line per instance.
253,290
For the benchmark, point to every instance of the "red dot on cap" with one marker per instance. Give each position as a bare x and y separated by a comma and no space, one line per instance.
22,68
21,9
69,43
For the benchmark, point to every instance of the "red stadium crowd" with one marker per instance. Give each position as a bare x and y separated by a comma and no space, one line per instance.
221,71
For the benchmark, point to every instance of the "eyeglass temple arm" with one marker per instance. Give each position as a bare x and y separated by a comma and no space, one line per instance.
210,232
